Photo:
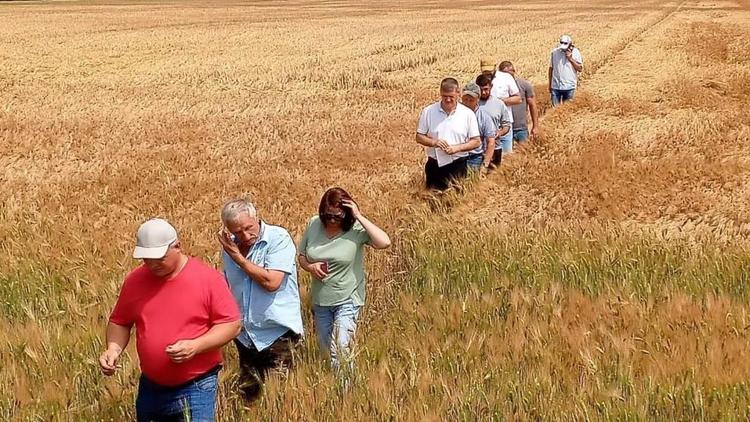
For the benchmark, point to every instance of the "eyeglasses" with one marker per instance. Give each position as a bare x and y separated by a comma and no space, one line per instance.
333,217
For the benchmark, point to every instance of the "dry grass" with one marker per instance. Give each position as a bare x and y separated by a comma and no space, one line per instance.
601,274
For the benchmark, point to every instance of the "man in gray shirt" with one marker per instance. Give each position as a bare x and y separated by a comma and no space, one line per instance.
500,114
565,63
520,124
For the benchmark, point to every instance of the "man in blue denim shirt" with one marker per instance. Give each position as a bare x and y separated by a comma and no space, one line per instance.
260,266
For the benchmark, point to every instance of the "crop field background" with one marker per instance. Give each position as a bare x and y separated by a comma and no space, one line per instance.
603,272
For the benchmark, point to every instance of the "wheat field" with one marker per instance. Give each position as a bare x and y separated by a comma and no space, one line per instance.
602,273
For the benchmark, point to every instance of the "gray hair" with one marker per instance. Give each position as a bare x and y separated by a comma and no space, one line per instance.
235,207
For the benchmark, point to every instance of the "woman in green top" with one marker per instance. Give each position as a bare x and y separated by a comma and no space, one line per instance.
332,251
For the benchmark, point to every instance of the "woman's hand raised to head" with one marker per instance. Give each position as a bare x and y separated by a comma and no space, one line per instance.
353,207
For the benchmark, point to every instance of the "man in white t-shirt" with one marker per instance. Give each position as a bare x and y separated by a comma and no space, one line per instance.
504,87
448,130
565,63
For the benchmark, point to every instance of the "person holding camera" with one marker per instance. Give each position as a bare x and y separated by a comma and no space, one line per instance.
565,63
260,266
332,251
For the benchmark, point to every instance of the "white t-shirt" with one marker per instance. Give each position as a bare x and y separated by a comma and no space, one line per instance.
455,129
564,75
504,86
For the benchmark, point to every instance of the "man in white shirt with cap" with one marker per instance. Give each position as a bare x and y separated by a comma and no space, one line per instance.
504,87
565,63
448,130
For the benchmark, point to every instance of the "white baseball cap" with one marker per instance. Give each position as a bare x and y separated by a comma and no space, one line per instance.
153,239
565,41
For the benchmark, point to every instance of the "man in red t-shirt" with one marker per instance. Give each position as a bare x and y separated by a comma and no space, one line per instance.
183,314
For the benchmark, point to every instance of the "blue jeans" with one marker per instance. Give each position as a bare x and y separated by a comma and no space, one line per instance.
506,142
521,135
474,161
562,95
336,326
194,401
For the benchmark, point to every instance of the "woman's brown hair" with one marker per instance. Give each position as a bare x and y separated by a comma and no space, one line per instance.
333,198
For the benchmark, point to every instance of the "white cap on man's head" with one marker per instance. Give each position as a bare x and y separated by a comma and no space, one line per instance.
565,41
153,239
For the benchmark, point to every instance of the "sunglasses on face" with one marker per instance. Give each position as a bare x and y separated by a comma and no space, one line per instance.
333,217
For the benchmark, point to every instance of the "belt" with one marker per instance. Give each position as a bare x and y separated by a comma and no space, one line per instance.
200,377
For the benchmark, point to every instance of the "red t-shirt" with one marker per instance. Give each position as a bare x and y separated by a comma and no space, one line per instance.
182,308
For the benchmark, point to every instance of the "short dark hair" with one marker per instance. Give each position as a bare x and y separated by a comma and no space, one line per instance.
332,198
504,65
448,84
483,80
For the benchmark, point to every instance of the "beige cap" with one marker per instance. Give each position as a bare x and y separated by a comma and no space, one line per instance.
486,63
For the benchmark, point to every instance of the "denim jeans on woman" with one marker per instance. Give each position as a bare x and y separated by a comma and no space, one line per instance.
336,326
194,401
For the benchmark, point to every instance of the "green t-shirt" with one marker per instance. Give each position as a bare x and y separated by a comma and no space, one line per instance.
344,254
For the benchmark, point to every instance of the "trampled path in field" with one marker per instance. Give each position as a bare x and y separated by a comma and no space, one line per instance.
112,113
657,138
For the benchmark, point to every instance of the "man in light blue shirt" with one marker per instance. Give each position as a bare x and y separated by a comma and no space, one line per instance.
260,266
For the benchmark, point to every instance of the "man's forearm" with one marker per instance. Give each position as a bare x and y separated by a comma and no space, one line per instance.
117,336
218,335
468,146
257,273
513,100
489,151
503,131
549,78
534,112
577,66
425,140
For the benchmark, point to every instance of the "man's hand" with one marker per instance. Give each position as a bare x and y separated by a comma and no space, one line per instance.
228,244
484,170
534,131
450,150
108,360
442,145
568,54
182,350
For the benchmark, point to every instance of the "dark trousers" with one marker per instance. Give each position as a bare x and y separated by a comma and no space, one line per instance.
255,365
440,177
497,157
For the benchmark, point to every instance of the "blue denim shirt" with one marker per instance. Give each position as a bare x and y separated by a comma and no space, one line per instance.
267,315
